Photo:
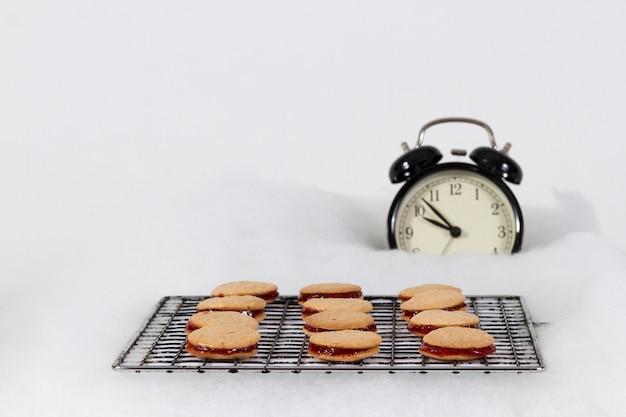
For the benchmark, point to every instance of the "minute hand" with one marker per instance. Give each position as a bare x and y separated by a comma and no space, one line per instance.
437,213
454,230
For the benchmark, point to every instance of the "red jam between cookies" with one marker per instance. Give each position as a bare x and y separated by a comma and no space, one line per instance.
272,295
370,328
423,329
444,352
333,351
352,294
308,312
269,295
251,313
204,350
190,328
407,315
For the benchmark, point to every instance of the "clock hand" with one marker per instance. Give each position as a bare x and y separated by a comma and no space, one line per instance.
436,223
454,230
448,245
437,213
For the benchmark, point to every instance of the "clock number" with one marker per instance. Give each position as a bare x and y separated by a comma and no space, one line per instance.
419,210
455,188
501,232
476,194
495,207
408,232
434,195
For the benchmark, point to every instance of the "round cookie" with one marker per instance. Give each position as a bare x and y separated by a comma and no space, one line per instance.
220,318
317,305
410,292
246,304
333,320
428,320
223,343
264,290
344,345
433,300
457,344
329,290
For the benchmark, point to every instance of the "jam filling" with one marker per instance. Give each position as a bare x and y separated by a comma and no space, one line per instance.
333,351
190,328
427,328
269,295
370,328
308,312
204,349
251,313
442,351
352,294
407,315
272,295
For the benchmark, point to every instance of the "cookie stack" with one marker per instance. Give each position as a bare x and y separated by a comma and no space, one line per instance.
437,314
318,305
225,326
338,323
430,297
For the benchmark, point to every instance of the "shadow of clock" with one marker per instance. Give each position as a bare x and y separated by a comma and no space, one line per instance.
266,214
571,213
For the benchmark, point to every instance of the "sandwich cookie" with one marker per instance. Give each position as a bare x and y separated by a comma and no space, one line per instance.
329,290
220,318
317,305
333,320
344,345
411,292
264,290
247,304
433,300
428,320
457,344
223,343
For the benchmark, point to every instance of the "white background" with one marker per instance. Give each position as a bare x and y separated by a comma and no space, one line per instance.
98,96
152,148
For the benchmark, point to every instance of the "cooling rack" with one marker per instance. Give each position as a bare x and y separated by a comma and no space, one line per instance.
159,344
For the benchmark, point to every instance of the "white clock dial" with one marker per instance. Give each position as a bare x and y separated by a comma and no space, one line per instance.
455,210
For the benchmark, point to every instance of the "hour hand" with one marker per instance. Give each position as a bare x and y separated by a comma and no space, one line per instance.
436,223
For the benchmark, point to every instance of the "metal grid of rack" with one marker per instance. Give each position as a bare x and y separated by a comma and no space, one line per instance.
159,344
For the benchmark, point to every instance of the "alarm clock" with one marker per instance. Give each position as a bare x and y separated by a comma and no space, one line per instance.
451,207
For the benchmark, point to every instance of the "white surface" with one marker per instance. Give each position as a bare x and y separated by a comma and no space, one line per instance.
159,149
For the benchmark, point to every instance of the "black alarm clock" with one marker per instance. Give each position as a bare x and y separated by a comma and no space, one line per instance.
451,207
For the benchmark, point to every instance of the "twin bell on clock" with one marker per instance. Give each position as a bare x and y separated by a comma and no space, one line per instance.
451,207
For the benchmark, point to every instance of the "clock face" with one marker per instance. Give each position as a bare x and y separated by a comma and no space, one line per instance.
455,210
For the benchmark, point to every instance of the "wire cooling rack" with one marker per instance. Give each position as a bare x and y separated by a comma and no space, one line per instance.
159,344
